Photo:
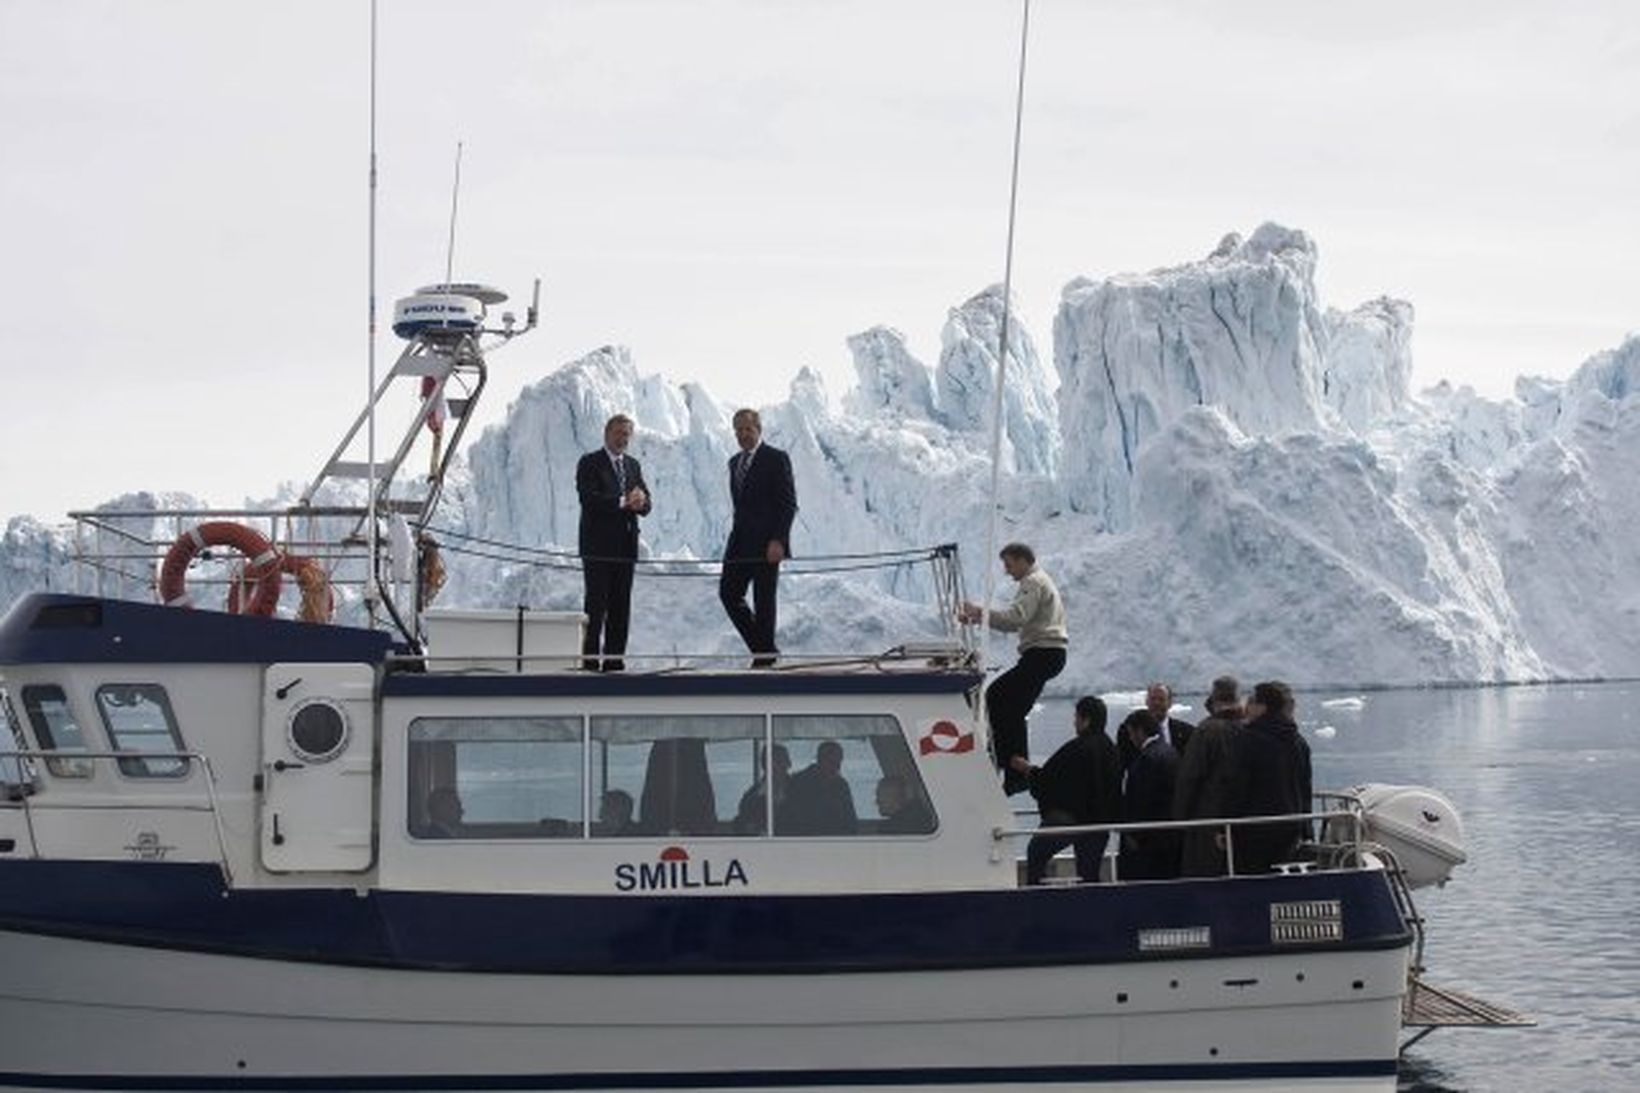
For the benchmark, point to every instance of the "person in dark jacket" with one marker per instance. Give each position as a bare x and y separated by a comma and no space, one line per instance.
1081,783
1148,795
1209,783
1273,761
613,495
765,501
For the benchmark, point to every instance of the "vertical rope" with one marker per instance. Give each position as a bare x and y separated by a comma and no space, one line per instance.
1002,340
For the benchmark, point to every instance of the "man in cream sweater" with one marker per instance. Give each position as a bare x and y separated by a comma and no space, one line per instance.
1038,615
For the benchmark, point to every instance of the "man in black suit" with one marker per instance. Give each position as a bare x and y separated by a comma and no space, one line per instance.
765,500
1175,731
1148,796
613,496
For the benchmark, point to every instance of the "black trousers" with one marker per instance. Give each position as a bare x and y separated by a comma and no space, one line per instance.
755,624
608,604
1090,849
1009,701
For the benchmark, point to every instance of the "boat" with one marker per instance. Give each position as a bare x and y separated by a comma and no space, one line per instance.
336,837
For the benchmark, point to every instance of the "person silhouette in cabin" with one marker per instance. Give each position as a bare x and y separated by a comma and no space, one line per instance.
444,814
615,810
818,799
903,812
750,818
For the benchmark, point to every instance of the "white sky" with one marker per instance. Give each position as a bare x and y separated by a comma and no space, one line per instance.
732,188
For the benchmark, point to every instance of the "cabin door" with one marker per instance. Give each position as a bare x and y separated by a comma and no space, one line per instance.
318,753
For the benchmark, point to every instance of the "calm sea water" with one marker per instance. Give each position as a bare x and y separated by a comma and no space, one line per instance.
1545,915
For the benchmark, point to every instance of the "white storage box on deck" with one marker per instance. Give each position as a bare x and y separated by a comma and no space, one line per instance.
518,640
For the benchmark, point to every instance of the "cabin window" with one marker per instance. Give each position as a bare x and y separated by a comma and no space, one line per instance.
495,778
849,775
676,775
317,731
138,717
55,729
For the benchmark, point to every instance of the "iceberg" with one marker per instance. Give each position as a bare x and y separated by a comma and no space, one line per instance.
1222,474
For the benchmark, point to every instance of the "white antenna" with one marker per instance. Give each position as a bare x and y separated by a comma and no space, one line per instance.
372,592
450,251
1002,341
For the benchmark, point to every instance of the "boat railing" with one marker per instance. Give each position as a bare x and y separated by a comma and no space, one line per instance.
28,788
1344,840
118,553
913,656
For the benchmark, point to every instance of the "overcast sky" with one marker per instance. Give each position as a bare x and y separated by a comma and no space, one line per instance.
732,188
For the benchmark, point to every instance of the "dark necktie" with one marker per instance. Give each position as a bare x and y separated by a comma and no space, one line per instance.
743,465
620,475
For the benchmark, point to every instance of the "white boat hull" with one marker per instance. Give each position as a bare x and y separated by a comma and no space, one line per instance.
97,1015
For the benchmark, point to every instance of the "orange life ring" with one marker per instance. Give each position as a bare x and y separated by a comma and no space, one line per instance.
318,598
262,564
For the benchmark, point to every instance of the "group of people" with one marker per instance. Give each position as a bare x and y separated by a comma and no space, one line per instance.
614,495
1246,759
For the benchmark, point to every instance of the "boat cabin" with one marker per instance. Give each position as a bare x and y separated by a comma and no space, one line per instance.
296,754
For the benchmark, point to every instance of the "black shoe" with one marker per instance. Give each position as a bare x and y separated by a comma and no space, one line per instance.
763,662
614,665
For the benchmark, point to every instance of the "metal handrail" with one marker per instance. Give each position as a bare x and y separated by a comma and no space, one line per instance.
955,656
211,804
1226,823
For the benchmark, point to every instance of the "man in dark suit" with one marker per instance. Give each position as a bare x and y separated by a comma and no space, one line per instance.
613,496
765,500
1148,796
1176,731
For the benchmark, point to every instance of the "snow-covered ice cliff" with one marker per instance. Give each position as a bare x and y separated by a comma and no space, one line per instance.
1222,474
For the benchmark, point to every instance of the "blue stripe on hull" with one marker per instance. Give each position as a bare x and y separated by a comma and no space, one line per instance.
184,906
1012,1076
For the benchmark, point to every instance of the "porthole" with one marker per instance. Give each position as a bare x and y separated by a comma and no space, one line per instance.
318,731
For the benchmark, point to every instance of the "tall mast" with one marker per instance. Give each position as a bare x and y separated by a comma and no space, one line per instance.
1002,339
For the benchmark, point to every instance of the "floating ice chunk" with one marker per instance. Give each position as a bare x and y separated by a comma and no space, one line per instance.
1326,732
1353,702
